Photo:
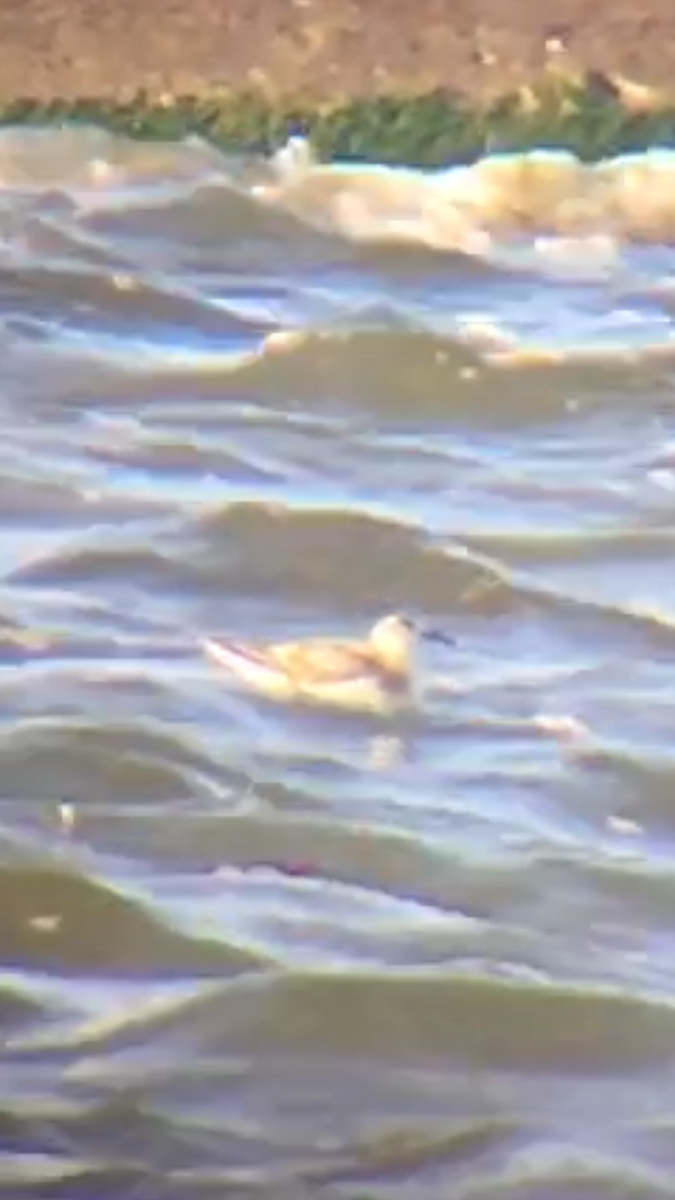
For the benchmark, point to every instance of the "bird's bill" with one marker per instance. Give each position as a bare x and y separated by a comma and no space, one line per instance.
439,635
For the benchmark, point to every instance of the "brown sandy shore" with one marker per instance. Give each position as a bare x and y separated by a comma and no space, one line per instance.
326,51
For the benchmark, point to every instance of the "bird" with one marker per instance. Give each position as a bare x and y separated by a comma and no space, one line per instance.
376,672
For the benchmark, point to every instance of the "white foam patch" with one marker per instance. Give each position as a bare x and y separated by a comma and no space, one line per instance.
575,215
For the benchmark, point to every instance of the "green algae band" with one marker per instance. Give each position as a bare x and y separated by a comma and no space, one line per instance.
426,131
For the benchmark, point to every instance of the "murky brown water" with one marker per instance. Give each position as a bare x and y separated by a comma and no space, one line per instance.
254,950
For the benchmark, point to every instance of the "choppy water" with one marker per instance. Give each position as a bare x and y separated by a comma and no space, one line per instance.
256,951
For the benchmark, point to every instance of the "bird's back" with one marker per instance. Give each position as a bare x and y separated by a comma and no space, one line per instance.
326,661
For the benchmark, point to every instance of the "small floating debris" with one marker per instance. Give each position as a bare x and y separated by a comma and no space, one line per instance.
563,728
66,812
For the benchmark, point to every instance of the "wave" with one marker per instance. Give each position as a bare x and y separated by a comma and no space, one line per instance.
590,206
56,915
463,208
431,1014
371,359
176,262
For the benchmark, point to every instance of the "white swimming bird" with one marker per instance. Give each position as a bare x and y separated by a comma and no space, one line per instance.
376,672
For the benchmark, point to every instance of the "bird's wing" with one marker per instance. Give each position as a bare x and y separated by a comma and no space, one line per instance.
316,662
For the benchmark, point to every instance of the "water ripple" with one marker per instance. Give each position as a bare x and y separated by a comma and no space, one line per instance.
256,950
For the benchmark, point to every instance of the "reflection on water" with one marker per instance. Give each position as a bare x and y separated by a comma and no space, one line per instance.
255,949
